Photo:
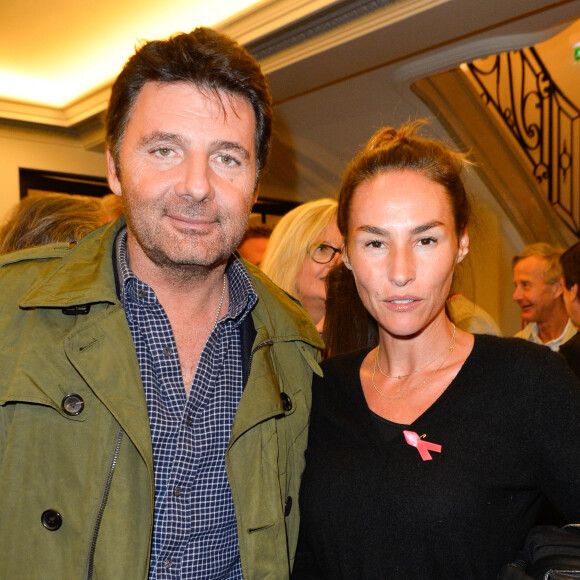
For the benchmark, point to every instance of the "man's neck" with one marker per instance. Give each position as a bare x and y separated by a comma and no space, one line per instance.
553,328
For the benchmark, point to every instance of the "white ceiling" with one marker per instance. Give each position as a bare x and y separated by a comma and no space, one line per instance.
54,51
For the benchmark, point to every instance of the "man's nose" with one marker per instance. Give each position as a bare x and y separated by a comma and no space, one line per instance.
195,178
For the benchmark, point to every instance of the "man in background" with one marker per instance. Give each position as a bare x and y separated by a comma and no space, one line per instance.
538,292
254,244
154,395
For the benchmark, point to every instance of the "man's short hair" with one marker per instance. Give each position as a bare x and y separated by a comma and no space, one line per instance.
570,262
211,61
551,255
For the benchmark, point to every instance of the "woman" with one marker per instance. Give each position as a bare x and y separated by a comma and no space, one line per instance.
303,247
429,456
570,261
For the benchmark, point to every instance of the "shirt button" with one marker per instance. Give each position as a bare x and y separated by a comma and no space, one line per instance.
167,350
177,491
141,293
189,421
167,563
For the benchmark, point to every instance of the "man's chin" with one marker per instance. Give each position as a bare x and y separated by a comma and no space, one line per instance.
527,318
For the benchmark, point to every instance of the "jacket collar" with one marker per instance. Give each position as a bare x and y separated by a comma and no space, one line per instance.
277,315
85,275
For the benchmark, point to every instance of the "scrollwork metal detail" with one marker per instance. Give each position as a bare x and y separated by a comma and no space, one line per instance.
544,122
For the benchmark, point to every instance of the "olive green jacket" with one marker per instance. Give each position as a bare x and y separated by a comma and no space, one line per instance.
76,464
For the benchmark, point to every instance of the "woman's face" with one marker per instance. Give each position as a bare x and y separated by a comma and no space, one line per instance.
310,283
402,249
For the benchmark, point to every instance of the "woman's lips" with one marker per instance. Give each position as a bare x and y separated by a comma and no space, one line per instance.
402,303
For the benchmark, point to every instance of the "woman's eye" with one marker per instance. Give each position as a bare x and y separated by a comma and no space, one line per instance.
374,244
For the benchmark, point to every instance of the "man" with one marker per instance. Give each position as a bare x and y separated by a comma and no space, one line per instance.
538,283
154,396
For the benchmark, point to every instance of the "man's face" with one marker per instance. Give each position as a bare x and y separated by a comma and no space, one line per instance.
188,176
535,298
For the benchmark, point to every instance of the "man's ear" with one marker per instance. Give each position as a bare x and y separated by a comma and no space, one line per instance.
558,286
114,182
256,192
574,292
463,246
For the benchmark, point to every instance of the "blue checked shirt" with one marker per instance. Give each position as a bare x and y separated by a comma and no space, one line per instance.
194,531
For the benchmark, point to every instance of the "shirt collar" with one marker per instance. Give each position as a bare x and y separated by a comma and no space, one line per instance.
242,294
569,331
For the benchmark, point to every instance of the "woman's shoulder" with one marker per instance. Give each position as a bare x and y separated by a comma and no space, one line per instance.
506,349
518,361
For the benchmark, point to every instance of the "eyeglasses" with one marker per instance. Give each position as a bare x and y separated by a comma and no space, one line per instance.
323,253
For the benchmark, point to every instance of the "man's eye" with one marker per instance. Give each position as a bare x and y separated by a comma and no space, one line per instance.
227,159
163,152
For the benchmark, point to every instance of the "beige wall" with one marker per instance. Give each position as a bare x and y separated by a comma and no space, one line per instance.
21,147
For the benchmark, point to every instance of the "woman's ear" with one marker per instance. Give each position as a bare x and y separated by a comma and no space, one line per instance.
463,247
344,256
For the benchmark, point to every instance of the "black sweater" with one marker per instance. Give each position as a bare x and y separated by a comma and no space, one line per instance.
373,508
571,352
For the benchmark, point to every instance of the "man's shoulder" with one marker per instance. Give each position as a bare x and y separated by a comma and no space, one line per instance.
44,273
25,266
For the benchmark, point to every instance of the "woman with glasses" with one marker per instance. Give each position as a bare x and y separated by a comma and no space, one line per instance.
303,247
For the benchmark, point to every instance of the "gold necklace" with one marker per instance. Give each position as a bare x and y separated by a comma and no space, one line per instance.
217,316
451,342
429,376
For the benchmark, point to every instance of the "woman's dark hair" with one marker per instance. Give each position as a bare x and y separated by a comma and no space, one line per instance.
203,57
347,324
570,261
402,150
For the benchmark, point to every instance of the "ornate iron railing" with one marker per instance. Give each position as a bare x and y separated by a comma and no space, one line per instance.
545,123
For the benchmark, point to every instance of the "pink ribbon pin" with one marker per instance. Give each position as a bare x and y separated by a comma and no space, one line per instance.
423,447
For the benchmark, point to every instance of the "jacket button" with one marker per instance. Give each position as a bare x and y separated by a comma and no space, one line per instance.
51,520
288,506
286,402
73,404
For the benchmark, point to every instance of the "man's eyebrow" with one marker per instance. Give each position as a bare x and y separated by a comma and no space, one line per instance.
232,146
161,137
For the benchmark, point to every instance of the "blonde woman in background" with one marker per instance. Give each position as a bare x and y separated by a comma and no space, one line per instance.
304,246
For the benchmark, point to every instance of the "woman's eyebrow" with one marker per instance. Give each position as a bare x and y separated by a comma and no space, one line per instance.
426,227
375,230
